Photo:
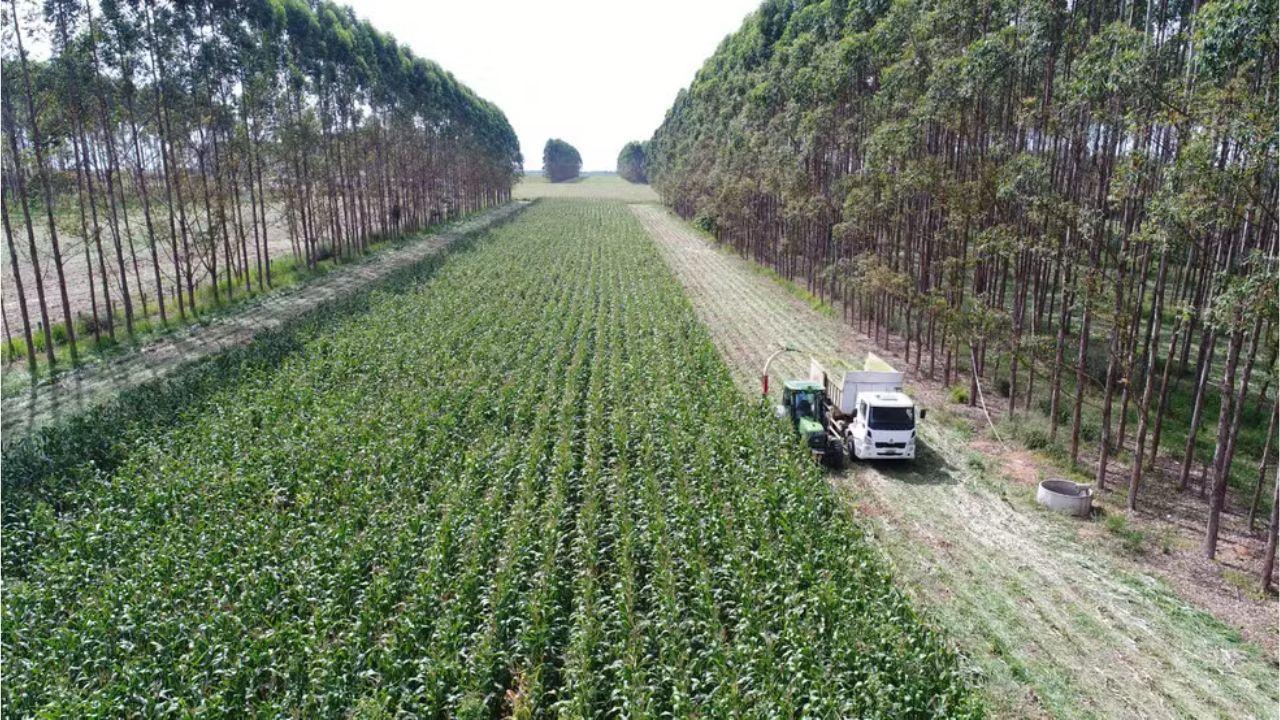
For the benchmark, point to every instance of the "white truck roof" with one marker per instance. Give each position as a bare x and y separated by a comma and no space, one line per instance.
887,399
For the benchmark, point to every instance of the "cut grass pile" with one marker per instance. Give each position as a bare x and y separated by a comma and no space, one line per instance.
523,484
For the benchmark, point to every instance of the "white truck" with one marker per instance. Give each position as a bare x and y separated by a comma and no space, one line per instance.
866,413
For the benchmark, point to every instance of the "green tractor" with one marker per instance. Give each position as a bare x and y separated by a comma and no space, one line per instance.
804,402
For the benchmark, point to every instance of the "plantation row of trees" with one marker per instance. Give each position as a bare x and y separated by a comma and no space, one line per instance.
159,140
1076,200
633,164
560,160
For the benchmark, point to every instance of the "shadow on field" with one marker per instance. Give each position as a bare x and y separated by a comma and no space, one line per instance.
43,469
928,468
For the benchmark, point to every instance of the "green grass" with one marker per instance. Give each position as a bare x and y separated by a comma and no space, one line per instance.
792,287
1246,583
482,485
602,186
1131,538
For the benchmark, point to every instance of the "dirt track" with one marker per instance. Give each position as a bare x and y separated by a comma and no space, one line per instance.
74,392
1055,625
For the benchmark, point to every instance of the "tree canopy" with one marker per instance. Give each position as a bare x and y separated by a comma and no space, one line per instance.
560,160
633,163
1081,192
171,135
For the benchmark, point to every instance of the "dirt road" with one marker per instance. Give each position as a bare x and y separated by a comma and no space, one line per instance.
1054,625
75,391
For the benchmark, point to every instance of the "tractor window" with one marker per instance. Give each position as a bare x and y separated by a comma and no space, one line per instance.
804,408
892,418
805,404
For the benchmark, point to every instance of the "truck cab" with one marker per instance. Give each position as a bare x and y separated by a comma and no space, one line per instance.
803,402
883,425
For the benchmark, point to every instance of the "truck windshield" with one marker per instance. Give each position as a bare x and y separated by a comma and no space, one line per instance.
892,418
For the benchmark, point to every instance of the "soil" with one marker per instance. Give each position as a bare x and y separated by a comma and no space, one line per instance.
78,275
73,392
1056,617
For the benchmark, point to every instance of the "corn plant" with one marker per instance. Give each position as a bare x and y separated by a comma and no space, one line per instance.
518,483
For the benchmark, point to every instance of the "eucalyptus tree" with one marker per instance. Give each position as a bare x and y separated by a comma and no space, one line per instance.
632,163
33,127
1060,201
560,160
162,137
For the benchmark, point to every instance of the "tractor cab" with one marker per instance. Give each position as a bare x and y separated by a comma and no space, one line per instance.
802,402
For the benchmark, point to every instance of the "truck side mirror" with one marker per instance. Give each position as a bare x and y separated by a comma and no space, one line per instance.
923,413
780,411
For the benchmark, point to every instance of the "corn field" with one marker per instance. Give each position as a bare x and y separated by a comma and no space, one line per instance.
517,483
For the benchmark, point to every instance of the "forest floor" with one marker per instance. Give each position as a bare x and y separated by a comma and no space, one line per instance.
79,280
1059,617
75,391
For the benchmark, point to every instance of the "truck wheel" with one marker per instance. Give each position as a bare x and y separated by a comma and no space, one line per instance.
853,450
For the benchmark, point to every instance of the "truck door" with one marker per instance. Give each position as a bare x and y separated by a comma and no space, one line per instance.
855,431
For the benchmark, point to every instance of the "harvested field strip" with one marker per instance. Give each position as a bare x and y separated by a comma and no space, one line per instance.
521,485
1055,627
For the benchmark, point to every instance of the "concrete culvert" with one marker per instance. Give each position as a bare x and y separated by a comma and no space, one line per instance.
1065,496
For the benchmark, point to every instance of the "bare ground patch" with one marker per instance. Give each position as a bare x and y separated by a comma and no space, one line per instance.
83,274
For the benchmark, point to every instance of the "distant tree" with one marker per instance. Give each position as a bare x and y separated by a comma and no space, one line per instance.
560,160
632,163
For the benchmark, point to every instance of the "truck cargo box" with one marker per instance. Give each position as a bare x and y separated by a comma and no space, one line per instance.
843,385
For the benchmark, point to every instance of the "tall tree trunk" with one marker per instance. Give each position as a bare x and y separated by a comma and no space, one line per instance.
1269,555
1262,466
18,286
1219,494
37,142
19,179
1197,408
141,173
111,172
1144,406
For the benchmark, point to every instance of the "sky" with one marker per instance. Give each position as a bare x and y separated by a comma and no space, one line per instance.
595,73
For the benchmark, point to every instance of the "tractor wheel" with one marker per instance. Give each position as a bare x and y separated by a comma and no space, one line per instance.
842,458
836,456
